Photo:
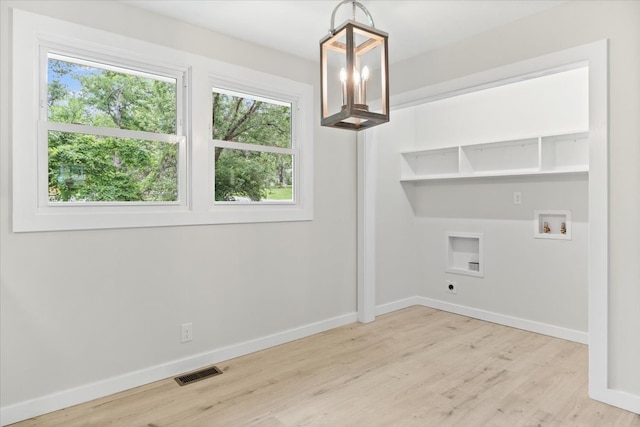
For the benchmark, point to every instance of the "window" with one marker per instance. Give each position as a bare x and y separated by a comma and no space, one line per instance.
111,132
254,156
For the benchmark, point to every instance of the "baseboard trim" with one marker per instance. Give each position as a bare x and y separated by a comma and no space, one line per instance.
503,319
397,305
617,398
64,399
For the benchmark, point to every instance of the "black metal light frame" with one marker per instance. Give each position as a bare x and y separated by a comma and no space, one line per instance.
354,113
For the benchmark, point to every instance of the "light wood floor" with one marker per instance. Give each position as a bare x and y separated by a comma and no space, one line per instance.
414,367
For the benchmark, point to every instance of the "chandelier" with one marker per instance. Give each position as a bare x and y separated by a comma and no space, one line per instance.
354,73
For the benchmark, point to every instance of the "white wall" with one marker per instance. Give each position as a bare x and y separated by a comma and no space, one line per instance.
572,24
396,276
552,104
88,306
538,280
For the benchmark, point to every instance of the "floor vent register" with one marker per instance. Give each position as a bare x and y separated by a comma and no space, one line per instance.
202,374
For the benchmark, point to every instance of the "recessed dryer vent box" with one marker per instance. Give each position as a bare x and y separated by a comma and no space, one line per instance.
465,254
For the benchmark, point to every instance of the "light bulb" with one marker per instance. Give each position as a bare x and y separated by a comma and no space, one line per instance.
365,73
363,89
343,75
343,85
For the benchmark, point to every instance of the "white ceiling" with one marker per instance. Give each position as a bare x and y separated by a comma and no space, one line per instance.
296,27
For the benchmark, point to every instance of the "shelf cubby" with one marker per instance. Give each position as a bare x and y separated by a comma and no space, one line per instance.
518,155
568,152
431,163
550,154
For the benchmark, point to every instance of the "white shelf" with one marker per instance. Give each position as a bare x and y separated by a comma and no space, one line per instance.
552,224
552,154
493,174
465,254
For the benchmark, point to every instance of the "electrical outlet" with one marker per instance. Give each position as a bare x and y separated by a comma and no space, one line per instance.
517,198
452,287
187,332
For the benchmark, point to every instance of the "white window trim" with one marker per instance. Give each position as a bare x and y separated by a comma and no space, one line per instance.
260,92
196,154
86,52
278,89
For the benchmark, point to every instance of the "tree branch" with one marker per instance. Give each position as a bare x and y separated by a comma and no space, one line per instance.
231,132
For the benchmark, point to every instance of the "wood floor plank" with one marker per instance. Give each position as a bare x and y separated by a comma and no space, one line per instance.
414,367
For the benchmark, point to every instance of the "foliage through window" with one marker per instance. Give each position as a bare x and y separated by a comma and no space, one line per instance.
254,153
111,133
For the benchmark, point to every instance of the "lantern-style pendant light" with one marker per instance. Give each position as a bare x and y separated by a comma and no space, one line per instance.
354,72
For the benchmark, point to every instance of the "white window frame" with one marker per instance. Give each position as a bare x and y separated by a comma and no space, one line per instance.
260,93
51,47
33,34
276,89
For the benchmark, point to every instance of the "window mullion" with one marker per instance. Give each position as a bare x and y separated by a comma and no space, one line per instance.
252,147
113,132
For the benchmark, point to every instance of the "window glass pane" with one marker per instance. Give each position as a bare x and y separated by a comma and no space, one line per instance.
252,120
243,175
89,93
89,168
